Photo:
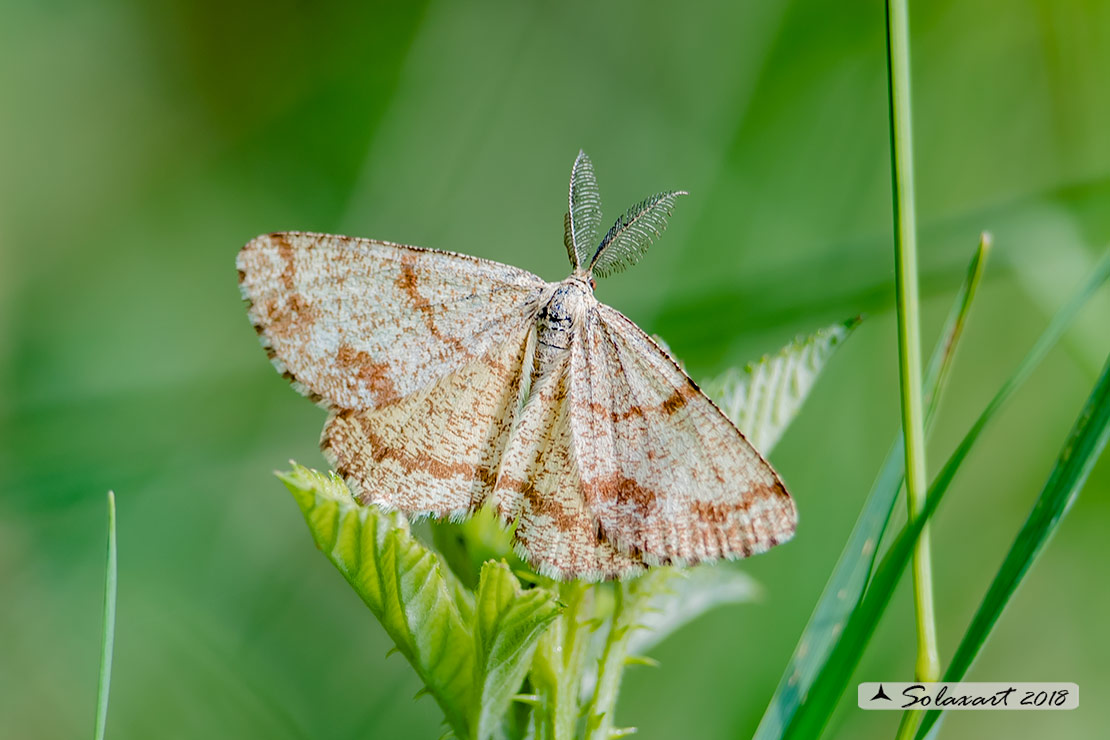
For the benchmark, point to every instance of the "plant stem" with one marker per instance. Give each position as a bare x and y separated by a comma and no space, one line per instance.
108,636
599,721
909,339
565,711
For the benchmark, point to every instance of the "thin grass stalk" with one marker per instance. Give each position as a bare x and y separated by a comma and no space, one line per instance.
911,717
909,333
940,364
108,633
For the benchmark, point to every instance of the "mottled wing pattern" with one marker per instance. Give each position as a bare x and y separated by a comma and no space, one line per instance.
539,488
436,451
662,469
358,323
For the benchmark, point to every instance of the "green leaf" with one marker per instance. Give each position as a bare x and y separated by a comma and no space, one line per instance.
764,397
402,583
508,621
108,633
830,676
633,233
1083,447
583,217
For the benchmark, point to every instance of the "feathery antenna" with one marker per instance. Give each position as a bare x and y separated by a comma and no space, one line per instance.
633,233
584,214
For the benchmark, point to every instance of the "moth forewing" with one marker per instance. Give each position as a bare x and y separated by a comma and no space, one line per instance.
359,323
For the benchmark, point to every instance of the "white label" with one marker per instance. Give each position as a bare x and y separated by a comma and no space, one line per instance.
902,695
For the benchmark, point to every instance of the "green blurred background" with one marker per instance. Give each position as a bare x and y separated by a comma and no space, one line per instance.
141,144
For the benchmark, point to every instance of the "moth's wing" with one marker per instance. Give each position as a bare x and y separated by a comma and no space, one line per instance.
357,323
539,489
663,470
436,451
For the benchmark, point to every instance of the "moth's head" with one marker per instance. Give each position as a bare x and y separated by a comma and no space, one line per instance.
581,283
584,278
625,242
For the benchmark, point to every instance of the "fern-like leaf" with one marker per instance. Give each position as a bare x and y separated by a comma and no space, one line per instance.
583,217
764,397
633,233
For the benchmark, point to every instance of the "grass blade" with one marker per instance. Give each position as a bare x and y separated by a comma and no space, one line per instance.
846,584
1083,447
940,364
108,635
833,675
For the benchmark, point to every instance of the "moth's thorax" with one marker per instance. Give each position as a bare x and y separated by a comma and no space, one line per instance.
557,320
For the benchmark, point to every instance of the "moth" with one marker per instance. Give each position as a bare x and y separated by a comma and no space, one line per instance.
455,382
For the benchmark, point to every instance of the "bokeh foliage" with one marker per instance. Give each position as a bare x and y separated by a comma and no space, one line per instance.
141,145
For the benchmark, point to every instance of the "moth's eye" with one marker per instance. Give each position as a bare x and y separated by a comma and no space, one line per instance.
593,283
